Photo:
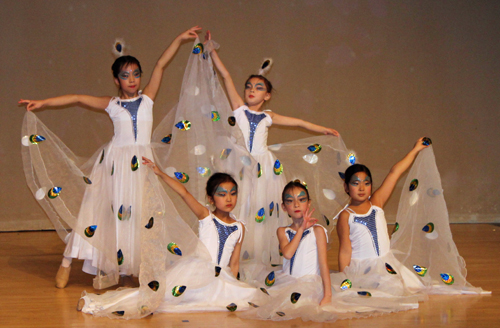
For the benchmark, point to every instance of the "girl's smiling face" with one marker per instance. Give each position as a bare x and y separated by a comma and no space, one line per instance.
359,187
296,202
129,80
256,92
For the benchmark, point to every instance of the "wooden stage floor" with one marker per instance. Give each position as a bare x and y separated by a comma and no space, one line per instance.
28,298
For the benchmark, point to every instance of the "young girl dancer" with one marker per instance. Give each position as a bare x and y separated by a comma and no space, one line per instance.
106,223
254,122
196,282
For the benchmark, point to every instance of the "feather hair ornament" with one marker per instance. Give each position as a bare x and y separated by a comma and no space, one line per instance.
265,66
119,48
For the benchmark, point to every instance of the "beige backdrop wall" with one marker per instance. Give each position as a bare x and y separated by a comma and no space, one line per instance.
381,72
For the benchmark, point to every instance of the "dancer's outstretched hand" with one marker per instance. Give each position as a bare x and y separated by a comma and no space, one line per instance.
208,37
329,131
419,145
192,33
307,220
149,163
31,104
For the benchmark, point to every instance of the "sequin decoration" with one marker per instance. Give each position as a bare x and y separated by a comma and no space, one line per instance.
102,157
225,153
310,158
270,279
294,298
118,47
365,294
35,139
396,227
231,120
150,223
178,290
183,125
390,269
124,213
351,158
118,313
342,175
174,249
346,284
215,116
253,305
253,121
326,220
182,177
145,310
262,289
154,285
421,271
40,193
259,170
302,182
281,314
370,223
245,160
87,180
198,49
203,171
132,108
413,184
199,150
261,215
90,231
223,231
428,228
134,164
119,257
291,235
232,307
113,168
433,192
329,194
278,167
217,270
447,278
167,139
316,148
426,141
54,192
271,209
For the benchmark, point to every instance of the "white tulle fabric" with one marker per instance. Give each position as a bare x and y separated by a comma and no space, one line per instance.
434,250
376,289
205,290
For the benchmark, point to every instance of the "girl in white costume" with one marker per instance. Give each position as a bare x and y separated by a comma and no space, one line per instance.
254,122
106,220
372,280
193,283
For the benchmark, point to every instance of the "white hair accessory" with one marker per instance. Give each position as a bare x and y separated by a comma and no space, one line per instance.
265,66
119,47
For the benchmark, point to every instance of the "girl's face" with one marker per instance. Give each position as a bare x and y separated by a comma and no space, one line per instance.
129,81
256,92
225,197
359,187
296,202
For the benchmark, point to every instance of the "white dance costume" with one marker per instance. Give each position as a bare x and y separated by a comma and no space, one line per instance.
194,283
265,198
377,280
107,220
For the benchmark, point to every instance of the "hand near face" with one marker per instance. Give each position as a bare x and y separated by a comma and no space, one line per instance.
307,220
